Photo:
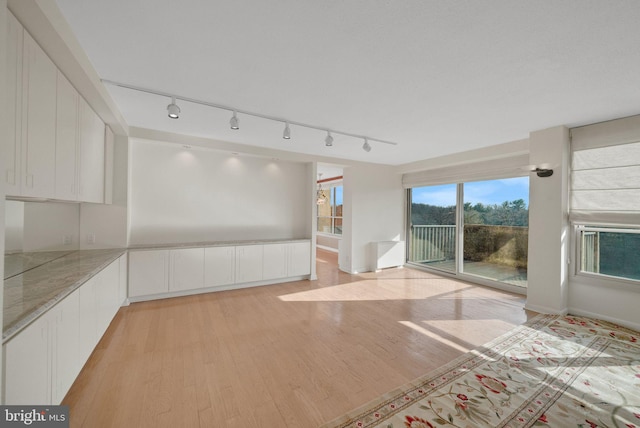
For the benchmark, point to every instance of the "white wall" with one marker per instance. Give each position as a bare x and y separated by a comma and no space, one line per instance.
194,195
3,136
547,274
108,223
374,207
46,224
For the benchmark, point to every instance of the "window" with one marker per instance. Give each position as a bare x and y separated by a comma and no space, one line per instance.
605,207
477,229
330,212
609,251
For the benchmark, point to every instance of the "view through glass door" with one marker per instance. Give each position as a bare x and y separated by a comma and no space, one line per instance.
487,220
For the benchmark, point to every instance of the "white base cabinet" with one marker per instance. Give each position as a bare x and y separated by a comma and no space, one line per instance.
148,272
174,272
219,266
187,269
43,360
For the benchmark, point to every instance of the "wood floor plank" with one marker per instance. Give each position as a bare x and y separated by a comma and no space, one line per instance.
286,355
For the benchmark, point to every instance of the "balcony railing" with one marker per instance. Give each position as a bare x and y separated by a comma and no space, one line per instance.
431,243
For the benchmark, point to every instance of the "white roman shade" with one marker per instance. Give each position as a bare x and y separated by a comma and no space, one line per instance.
605,172
507,167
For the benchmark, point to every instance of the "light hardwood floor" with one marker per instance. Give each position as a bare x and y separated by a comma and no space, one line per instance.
288,355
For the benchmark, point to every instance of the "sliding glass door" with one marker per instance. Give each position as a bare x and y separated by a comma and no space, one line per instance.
433,227
476,229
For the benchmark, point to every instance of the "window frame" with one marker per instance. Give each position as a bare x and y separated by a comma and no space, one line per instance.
594,278
330,187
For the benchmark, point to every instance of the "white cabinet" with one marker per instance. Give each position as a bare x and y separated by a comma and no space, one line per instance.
187,269
39,79
249,263
298,258
66,345
219,266
88,338
13,107
122,284
43,360
148,272
28,365
66,141
106,296
91,138
274,261
109,152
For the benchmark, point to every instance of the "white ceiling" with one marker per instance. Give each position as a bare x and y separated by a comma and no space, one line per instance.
438,77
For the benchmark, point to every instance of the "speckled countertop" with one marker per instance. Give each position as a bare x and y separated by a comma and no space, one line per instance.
48,279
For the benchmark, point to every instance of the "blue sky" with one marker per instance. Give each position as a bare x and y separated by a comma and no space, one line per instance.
487,192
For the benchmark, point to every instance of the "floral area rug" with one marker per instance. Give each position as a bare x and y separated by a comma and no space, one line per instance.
554,371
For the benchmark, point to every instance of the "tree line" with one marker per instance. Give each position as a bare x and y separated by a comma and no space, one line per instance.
508,213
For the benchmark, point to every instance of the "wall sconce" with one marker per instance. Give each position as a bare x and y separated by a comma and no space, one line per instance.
543,172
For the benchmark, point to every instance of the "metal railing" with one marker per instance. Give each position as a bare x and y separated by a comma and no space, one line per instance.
430,243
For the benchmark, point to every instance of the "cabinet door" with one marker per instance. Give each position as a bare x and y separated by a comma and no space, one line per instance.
39,78
107,296
91,138
274,261
299,259
219,266
66,360
148,272
13,106
88,329
122,283
66,141
187,269
109,152
249,263
28,365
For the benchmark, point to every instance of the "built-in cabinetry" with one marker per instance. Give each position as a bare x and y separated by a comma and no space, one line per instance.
55,148
43,360
155,273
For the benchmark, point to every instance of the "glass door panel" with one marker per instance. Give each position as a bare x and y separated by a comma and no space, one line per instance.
432,240
496,229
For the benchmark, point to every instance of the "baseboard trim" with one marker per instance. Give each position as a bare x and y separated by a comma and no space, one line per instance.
624,323
546,310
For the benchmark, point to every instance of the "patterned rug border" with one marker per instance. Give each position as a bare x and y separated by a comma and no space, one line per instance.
467,361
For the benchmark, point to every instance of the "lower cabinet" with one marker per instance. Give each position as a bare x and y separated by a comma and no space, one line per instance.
167,272
43,360
249,263
28,364
219,266
148,272
187,269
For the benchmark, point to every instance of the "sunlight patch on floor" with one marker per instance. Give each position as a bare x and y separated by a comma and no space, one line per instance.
434,335
476,332
373,290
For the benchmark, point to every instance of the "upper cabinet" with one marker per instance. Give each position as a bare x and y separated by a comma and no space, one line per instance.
13,108
55,147
91,154
39,80
67,141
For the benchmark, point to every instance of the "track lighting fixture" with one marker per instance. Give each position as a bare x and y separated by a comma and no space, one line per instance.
329,140
234,121
173,109
174,113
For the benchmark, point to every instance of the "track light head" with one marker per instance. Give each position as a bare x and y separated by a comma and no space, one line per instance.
366,146
235,124
286,134
173,110
329,140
